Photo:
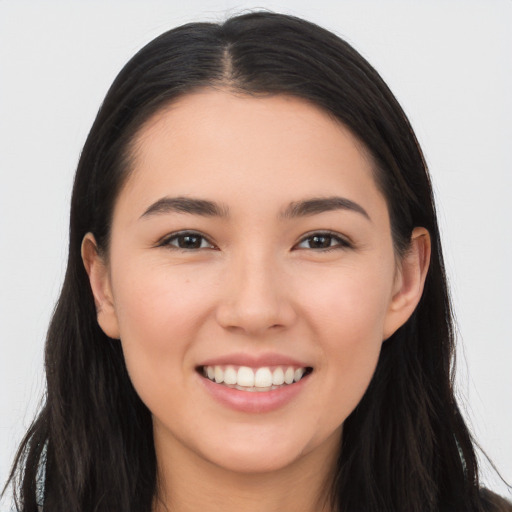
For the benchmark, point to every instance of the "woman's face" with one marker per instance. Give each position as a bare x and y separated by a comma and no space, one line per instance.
249,246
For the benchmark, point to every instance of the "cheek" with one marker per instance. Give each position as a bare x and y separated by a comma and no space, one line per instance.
159,311
159,299
348,305
346,315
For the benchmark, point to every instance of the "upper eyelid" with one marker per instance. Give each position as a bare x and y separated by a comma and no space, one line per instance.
343,239
171,236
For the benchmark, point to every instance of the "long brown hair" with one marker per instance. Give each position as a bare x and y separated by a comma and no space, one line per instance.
406,446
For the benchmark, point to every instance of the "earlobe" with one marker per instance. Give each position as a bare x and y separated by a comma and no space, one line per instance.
99,280
410,281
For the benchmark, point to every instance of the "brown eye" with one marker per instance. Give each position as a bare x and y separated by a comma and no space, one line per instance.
323,241
187,241
320,241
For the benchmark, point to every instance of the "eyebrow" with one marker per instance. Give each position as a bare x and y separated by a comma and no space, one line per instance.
318,205
187,205
205,208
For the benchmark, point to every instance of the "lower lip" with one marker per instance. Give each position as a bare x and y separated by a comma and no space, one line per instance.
255,401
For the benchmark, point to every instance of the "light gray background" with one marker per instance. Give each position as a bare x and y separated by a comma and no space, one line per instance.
449,64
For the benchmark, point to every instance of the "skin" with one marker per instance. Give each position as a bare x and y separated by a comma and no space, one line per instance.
256,285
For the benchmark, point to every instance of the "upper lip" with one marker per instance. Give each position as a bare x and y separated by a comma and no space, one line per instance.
254,361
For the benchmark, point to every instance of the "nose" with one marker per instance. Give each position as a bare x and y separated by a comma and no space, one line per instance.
256,297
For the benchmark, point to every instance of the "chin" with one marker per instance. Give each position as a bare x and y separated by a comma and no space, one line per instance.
260,453
260,462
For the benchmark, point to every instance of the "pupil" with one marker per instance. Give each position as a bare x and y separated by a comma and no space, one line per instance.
320,242
189,242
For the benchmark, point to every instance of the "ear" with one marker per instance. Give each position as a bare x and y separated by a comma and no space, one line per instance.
409,281
99,278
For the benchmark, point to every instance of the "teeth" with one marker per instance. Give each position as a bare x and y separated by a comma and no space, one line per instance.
230,376
245,377
263,378
278,377
218,375
257,379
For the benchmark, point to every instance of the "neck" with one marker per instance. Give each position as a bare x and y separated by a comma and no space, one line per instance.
191,484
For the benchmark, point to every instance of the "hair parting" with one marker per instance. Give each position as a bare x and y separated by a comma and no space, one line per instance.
406,445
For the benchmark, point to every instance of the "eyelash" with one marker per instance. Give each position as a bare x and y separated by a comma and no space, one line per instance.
166,242
341,242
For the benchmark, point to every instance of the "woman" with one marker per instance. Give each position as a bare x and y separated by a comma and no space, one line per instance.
255,313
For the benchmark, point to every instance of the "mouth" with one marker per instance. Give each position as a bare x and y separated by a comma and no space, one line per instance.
261,379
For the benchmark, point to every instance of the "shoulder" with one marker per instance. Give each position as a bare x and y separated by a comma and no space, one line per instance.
492,502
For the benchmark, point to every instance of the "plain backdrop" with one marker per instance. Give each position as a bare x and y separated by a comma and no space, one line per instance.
448,62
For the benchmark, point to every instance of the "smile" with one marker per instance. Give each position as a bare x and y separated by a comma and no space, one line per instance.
245,378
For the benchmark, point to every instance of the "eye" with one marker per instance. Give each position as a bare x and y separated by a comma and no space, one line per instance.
323,241
186,240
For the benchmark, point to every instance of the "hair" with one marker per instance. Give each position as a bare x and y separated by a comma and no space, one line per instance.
405,446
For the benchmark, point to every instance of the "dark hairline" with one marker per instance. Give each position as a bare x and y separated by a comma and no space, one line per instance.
133,146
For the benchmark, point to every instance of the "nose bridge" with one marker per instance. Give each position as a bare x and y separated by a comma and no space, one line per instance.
256,295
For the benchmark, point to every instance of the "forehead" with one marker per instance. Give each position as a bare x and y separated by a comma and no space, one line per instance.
226,146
